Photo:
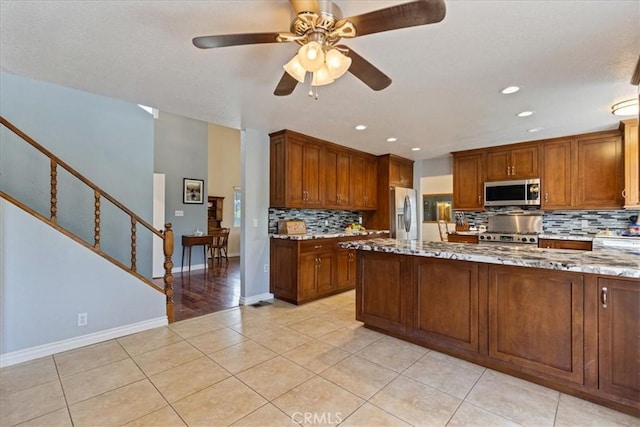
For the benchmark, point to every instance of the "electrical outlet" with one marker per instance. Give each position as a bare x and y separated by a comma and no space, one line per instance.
585,224
179,213
82,319
266,268
326,222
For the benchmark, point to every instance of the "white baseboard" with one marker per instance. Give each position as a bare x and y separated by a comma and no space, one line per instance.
27,354
255,298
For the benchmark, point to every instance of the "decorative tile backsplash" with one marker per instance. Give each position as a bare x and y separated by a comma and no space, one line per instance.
564,222
318,220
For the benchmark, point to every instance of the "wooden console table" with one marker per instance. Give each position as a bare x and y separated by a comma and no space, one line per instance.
189,241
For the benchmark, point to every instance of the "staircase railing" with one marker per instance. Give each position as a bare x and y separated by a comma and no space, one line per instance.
166,235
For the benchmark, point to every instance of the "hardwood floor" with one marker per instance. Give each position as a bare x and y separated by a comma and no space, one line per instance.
206,291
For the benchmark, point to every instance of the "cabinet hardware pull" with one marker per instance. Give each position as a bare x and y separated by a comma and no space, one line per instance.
508,170
624,193
603,297
479,200
546,197
317,246
513,170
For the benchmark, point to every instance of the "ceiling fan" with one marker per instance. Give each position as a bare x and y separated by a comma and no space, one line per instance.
318,27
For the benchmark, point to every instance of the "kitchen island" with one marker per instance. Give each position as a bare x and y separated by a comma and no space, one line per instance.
565,319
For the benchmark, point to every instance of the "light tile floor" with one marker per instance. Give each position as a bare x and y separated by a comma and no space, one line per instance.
277,365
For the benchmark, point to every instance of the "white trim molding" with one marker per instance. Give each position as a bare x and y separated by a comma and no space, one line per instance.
32,353
255,298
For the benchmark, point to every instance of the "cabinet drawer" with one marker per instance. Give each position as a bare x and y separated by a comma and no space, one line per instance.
317,245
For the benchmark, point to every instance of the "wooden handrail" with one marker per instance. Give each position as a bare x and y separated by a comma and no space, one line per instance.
166,235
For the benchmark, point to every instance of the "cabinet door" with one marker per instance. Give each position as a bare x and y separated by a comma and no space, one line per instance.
447,303
536,321
324,273
400,173
345,268
498,166
631,165
600,173
468,182
307,285
312,173
382,291
337,179
618,331
556,175
371,183
524,162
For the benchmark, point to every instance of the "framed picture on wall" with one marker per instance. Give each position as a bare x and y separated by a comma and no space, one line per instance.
192,191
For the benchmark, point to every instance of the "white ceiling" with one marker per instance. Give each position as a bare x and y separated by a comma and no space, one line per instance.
573,59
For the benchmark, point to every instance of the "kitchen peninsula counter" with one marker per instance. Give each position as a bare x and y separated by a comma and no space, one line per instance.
606,262
565,319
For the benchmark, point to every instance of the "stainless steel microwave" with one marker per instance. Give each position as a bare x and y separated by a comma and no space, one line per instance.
512,193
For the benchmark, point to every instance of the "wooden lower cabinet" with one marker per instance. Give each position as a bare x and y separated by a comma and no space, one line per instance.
446,298
536,321
382,293
574,332
619,338
306,270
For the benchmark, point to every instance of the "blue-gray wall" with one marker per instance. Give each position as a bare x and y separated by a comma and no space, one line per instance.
181,146
108,141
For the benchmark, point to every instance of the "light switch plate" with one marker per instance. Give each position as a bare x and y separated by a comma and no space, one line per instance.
179,213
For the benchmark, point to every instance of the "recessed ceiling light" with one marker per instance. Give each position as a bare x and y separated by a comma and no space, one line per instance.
392,139
534,130
510,89
415,149
360,127
525,114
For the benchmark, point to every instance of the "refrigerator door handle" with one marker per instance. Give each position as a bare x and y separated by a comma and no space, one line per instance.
407,213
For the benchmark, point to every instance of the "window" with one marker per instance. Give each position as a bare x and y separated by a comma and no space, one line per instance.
236,207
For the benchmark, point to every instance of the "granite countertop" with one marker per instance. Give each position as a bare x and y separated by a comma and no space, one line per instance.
331,235
608,262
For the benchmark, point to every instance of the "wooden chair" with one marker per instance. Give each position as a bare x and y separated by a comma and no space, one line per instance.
443,228
219,244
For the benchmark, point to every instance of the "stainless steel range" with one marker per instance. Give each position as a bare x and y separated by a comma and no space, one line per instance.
512,229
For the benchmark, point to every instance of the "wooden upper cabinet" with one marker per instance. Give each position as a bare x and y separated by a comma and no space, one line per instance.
631,164
296,171
512,163
556,174
364,185
599,172
468,181
337,173
400,172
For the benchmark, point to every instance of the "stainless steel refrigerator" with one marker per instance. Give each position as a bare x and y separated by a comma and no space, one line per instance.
404,213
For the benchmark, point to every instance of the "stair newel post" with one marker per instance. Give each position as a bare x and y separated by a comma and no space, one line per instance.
96,220
133,243
54,191
168,267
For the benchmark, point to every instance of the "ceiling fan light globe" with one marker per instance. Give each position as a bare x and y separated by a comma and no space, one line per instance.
322,76
295,69
311,56
337,63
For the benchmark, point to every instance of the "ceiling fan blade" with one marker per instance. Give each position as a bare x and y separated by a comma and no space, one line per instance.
405,15
365,71
208,42
286,85
305,6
